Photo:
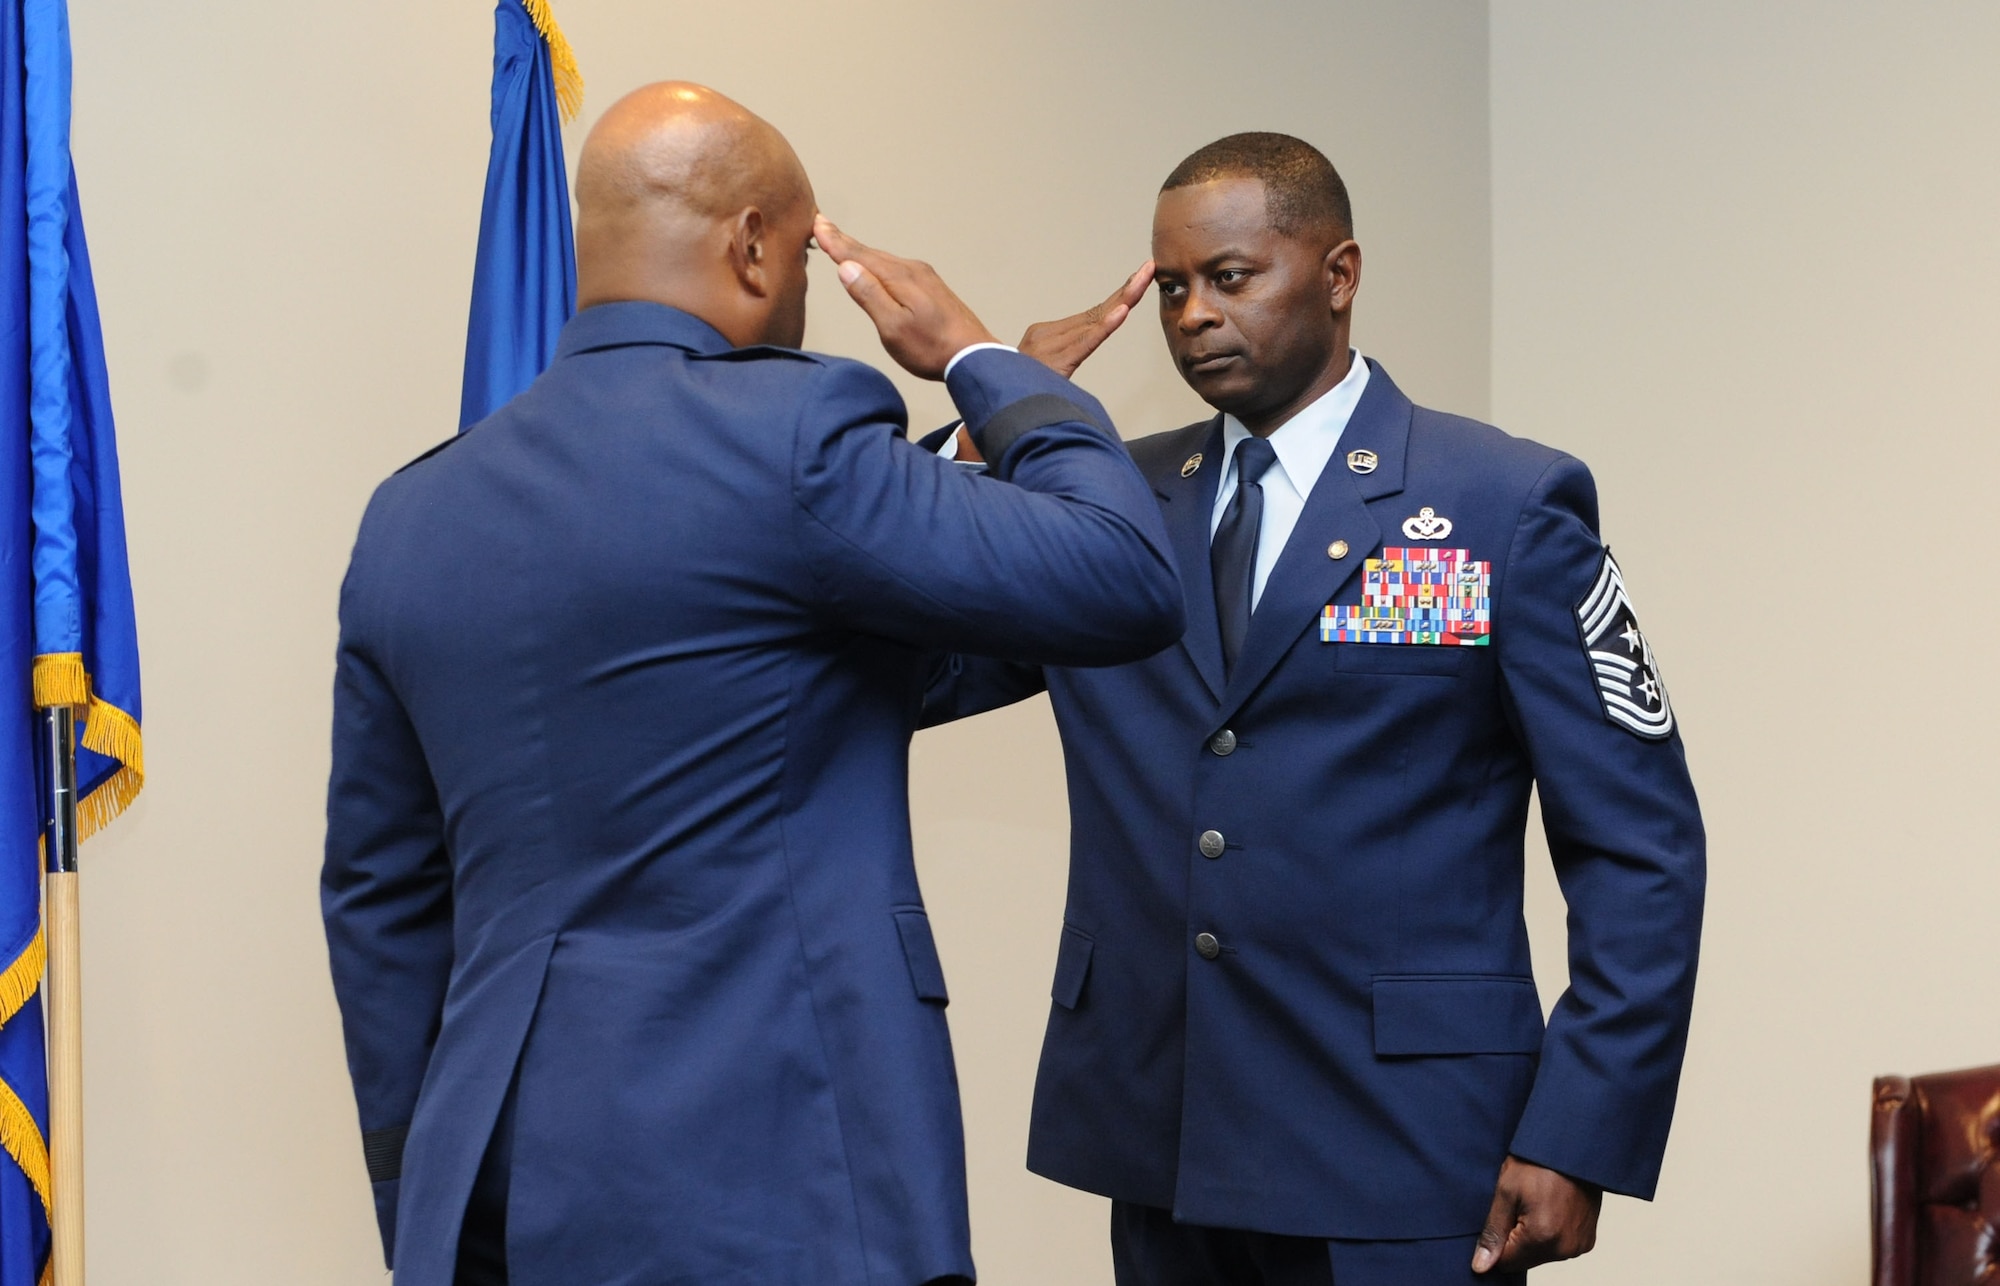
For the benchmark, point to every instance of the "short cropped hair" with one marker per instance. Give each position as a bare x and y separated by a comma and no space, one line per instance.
1301,188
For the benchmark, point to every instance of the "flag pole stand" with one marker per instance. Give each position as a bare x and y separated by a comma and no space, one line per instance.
65,1003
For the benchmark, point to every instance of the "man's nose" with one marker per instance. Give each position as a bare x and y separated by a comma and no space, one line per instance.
1198,313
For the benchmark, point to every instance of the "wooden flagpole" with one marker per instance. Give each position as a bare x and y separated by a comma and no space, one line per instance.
65,1003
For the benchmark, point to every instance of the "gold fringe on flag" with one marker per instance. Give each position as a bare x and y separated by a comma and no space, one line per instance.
20,980
102,806
18,1132
60,680
114,734
569,78
24,1142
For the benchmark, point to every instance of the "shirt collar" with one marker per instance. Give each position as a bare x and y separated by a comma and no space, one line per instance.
1307,441
638,322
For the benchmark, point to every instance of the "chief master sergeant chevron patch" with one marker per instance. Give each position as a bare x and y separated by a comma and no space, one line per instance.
1628,678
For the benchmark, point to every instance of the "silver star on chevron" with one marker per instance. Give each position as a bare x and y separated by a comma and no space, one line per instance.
1631,636
1650,689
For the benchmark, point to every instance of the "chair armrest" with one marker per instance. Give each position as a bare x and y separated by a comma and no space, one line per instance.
1893,1182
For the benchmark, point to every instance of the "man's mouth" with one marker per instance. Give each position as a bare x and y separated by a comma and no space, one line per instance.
1207,364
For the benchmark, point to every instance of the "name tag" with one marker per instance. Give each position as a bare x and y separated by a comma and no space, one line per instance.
1438,597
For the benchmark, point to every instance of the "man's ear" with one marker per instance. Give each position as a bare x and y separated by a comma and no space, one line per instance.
749,253
1343,275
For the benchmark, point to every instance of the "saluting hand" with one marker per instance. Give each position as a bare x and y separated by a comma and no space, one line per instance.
922,324
1538,1217
1062,345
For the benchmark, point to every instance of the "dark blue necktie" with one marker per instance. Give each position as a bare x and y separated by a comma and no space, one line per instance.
1232,554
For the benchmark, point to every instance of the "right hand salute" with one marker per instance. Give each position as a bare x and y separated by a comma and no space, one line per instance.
1062,345
923,325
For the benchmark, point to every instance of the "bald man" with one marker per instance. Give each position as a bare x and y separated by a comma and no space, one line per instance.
635,975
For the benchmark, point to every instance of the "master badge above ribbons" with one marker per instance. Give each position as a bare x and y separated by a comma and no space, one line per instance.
1628,678
1440,597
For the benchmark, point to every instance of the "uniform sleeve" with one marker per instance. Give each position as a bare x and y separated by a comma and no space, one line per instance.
1057,555
962,686
385,894
1626,836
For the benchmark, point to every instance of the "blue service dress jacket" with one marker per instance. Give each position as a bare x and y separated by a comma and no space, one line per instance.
617,831
1292,989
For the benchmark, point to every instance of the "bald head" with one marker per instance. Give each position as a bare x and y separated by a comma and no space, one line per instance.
677,147
687,198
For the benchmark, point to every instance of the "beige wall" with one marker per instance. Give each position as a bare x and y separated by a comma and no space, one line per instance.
1737,261
1744,265
282,202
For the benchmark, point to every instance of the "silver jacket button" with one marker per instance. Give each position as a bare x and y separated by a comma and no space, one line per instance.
1223,742
1206,946
1211,844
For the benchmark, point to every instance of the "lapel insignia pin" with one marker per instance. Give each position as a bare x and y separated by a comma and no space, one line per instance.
1337,550
1427,525
1362,461
1193,463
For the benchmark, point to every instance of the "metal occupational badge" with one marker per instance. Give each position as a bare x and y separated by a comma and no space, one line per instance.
1193,463
1440,597
1628,678
1427,525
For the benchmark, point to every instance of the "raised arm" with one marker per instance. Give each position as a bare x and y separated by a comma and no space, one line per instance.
1056,555
962,686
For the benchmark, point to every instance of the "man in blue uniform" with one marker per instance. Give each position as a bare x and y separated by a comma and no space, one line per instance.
635,975
1295,1036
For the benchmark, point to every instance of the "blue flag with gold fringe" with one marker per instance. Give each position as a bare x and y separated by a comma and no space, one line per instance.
67,634
86,637
24,1090
524,274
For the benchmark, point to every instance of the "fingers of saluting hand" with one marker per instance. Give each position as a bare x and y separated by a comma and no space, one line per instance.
1134,289
1064,344
1538,1216
922,323
838,245
1118,305
881,283
855,260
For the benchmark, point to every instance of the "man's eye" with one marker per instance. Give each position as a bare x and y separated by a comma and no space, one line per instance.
1230,276
1170,290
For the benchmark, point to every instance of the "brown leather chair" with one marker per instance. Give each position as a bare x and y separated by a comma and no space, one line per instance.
1936,1162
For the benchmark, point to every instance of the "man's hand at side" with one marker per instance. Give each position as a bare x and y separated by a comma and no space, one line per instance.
1538,1217
922,324
1062,345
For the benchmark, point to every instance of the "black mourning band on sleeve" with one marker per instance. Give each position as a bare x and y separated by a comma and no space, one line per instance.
1018,419
383,1150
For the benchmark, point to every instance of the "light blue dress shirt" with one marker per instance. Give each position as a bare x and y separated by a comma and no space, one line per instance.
1304,444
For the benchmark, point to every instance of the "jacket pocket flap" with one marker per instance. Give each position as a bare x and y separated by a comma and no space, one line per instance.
1457,1014
920,950
1443,660
1072,966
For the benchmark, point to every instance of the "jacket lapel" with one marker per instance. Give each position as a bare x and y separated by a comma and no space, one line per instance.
1306,577
1187,503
